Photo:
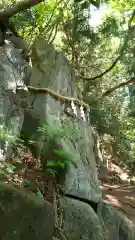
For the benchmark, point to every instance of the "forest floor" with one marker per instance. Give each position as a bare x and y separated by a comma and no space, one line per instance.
121,196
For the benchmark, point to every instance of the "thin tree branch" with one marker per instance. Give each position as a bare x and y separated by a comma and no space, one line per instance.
57,22
126,83
103,73
123,48
18,7
131,19
52,14
55,33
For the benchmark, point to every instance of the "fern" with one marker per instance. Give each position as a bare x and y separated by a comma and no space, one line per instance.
52,135
57,131
67,156
60,164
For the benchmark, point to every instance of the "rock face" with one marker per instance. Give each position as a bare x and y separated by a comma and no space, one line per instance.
13,96
70,138
81,178
24,216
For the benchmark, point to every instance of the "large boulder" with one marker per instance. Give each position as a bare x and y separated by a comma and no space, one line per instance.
51,69
80,221
101,221
24,216
115,225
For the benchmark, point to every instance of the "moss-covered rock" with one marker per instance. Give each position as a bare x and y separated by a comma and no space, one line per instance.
80,221
24,216
114,224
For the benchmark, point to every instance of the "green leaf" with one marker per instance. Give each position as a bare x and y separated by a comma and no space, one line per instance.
67,156
62,164
27,182
39,194
50,163
2,172
10,168
51,172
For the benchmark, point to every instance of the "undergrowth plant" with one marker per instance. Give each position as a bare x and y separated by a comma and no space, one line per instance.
54,134
6,134
65,158
22,157
9,138
56,131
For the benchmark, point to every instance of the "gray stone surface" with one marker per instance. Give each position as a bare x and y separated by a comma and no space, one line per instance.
54,72
114,224
80,221
13,95
24,216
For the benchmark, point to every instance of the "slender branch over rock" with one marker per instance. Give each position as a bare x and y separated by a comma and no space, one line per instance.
18,7
123,48
102,74
6,14
126,83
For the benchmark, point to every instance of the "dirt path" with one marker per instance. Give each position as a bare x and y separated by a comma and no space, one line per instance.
121,197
